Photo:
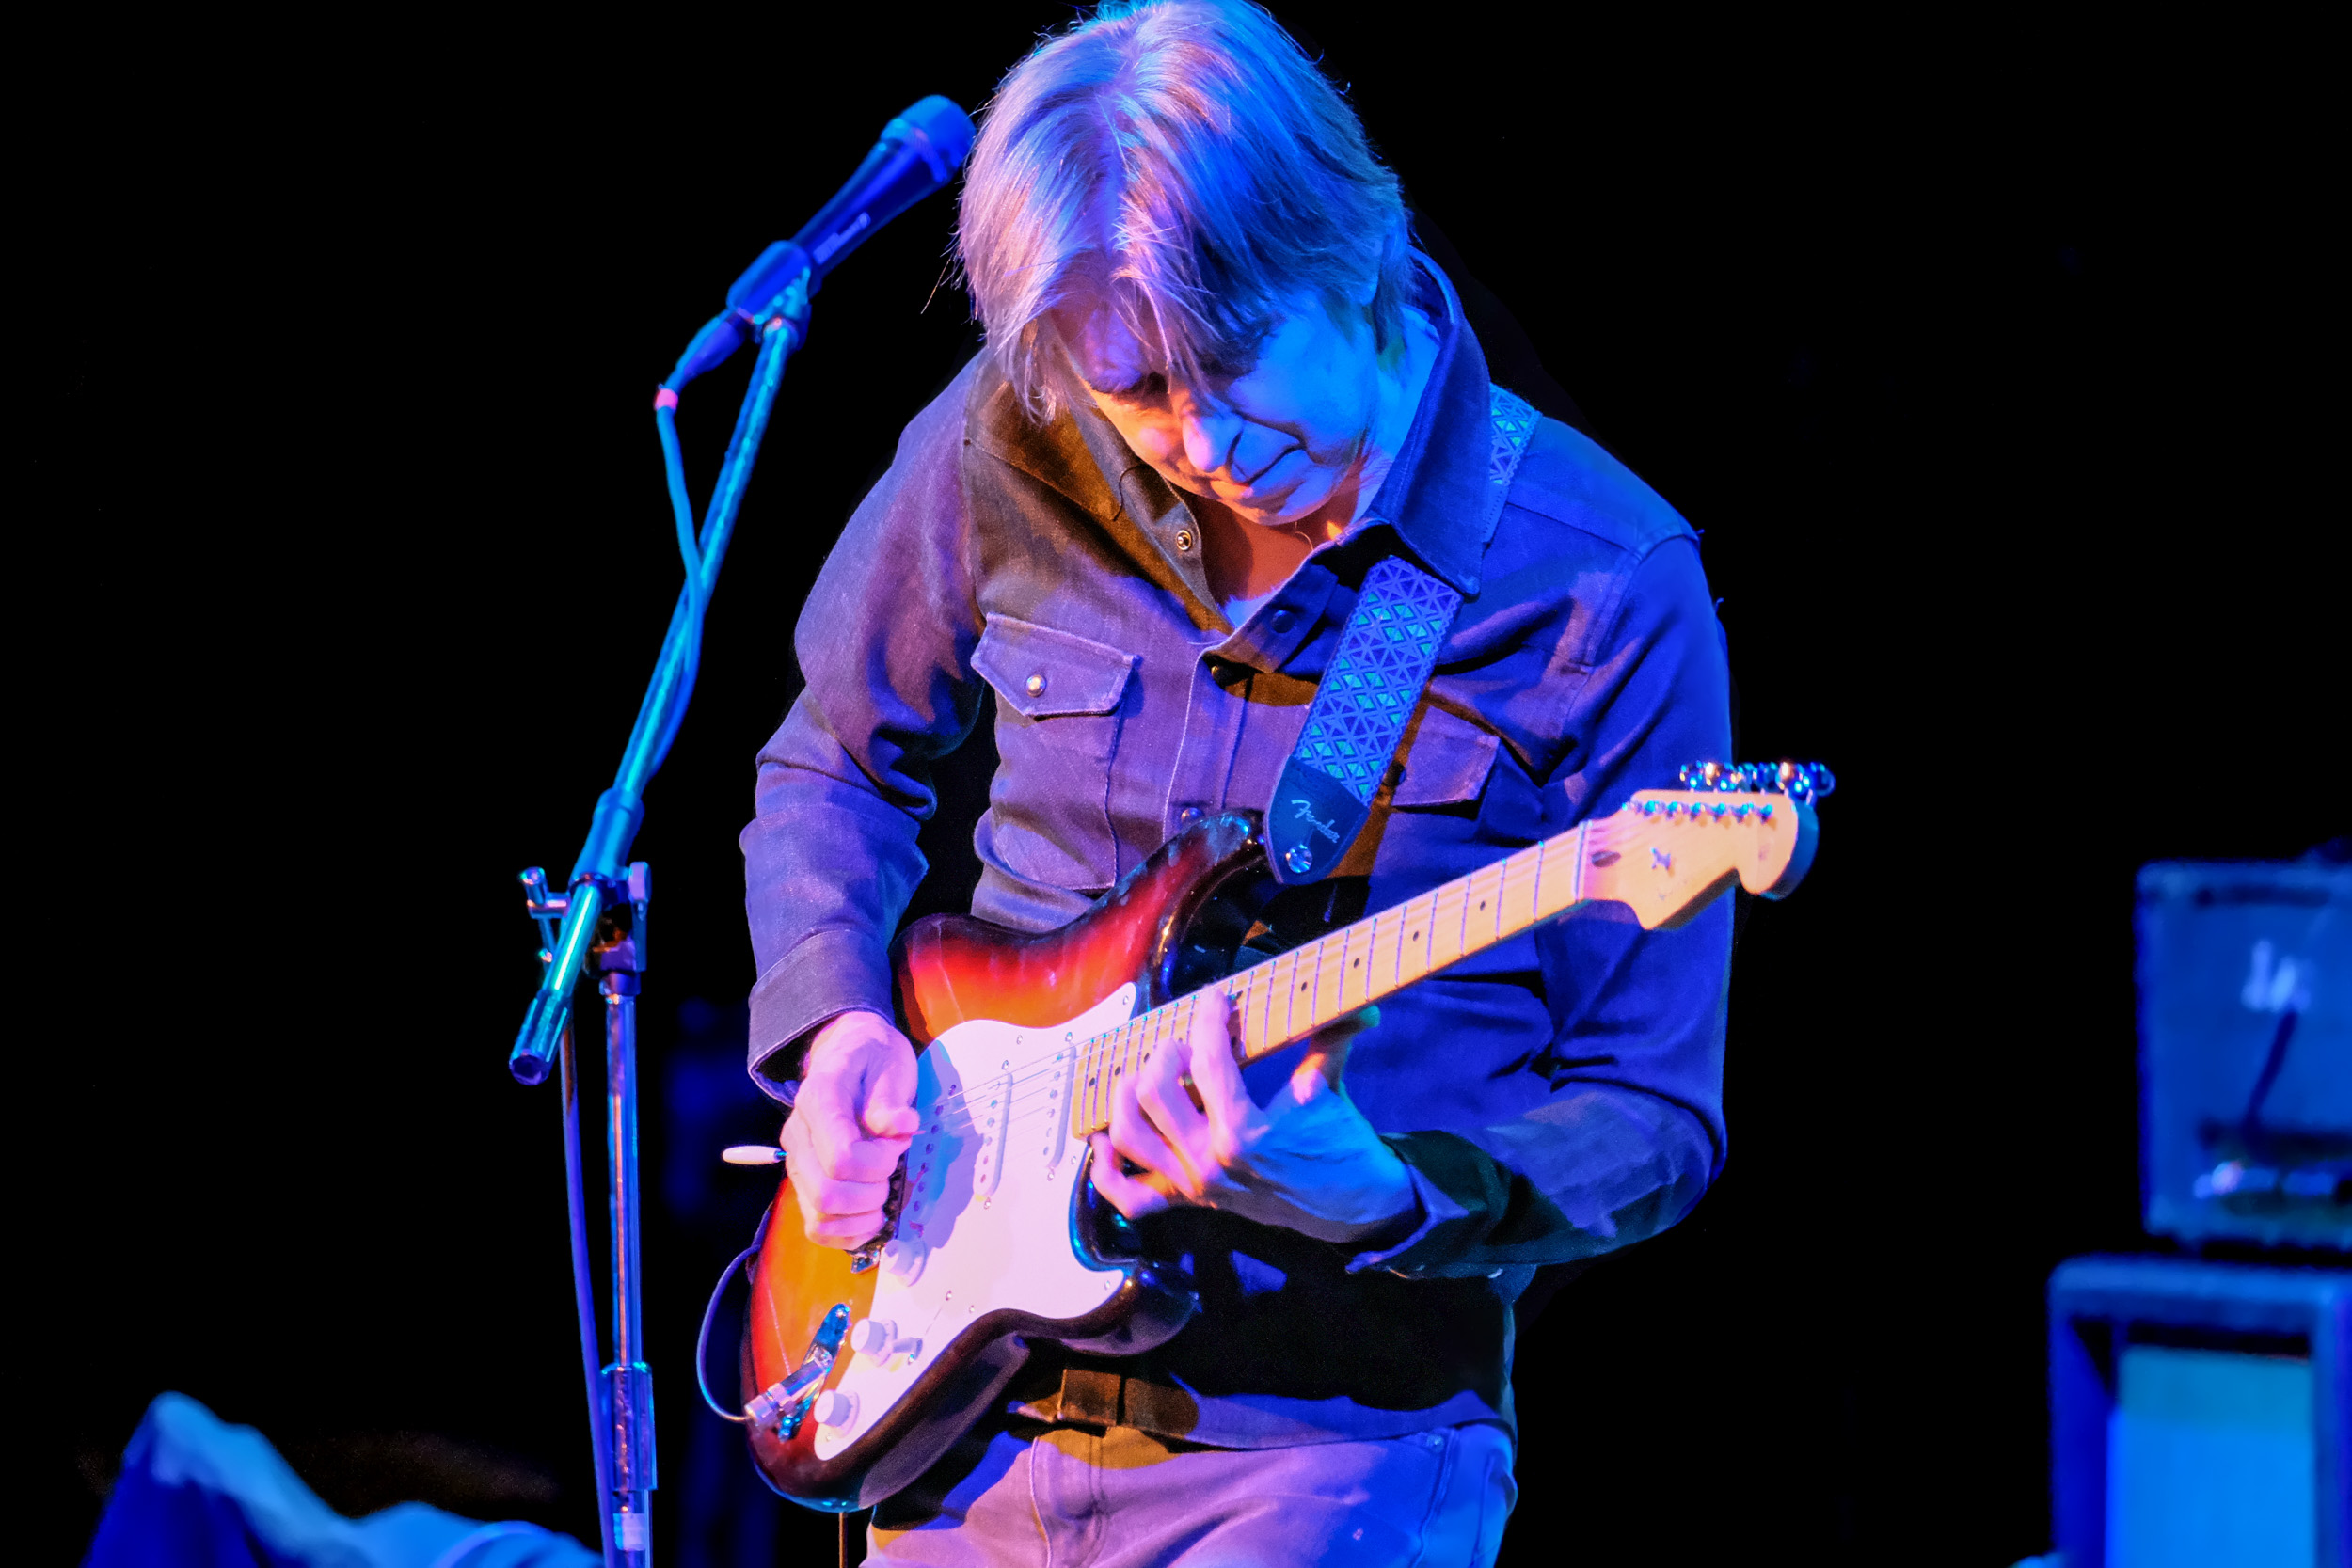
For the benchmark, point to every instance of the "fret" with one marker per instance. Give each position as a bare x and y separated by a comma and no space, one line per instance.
1082,1118
1101,1114
1321,987
1083,1110
1262,985
1391,963
1291,986
1481,908
1301,994
1376,969
1097,1064
1445,923
1154,1034
1239,990
1298,992
1357,945
1306,988
1413,951
1331,972
1515,902
1103,1084
1386,947
1571,846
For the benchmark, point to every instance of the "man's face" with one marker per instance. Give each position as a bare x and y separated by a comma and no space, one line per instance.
1274,440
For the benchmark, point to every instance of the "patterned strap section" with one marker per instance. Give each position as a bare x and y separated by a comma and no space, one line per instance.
1515,425
1376,673
1368,694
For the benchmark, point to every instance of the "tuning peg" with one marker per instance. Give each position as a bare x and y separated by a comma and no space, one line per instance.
1805,780
752,1154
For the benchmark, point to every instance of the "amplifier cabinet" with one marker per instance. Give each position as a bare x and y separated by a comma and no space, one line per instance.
2245,975
2199,1415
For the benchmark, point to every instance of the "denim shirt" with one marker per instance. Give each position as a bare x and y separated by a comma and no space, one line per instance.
1553,1097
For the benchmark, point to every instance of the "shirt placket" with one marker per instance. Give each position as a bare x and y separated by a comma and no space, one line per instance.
1221,718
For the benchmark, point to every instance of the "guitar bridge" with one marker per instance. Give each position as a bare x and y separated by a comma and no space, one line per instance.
784,1404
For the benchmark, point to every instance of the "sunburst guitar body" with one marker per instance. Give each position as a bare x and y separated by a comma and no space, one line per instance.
861,1368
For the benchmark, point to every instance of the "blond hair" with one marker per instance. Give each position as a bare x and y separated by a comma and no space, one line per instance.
1186,163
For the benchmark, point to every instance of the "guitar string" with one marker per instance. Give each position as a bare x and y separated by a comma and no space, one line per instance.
1336,942
955,1113
1143,1025
1325,950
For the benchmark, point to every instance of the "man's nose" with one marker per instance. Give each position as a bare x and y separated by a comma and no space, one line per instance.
1209,430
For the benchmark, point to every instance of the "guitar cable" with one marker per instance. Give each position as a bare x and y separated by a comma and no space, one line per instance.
702,1381
702,1340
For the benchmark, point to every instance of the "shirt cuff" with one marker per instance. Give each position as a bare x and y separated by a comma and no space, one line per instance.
1462,1192
1437,1210
828,973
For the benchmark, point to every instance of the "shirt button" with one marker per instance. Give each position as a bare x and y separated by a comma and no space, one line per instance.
1187,816
1279,620
1183,541
1037,686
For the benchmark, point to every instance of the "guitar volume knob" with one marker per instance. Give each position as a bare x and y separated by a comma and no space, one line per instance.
872,1337
835,1408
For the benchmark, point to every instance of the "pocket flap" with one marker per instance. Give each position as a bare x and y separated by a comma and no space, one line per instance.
1448,762
1044,673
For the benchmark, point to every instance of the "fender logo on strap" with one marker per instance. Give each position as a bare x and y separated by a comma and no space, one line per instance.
1306,813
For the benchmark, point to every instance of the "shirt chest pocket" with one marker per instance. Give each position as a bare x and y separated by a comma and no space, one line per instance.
1056,692
1446,766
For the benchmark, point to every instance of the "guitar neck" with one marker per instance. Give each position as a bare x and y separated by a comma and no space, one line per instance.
1283,1000
1665,856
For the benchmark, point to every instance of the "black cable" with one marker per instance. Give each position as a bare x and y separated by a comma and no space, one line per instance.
2249,1126
702,1340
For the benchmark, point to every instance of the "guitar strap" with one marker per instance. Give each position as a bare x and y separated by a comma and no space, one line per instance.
1373,683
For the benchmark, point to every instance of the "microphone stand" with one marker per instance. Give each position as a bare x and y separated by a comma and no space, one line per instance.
602,911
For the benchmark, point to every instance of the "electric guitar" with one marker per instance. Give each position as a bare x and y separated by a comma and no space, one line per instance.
860,1369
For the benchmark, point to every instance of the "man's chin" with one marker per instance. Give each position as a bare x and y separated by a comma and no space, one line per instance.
1281,509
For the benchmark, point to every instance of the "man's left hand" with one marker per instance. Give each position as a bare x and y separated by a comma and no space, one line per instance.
1307,1160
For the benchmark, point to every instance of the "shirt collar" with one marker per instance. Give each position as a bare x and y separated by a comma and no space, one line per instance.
1435,498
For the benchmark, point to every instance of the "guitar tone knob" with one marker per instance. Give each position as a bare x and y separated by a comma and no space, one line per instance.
872,1337
835,1408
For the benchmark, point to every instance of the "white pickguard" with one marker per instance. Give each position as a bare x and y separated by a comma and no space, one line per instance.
986,1221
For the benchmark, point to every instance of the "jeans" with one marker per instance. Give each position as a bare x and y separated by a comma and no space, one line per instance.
1075,1498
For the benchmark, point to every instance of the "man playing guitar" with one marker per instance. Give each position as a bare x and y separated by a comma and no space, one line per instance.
1220,387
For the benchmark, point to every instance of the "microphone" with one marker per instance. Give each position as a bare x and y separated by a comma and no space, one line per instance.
919,151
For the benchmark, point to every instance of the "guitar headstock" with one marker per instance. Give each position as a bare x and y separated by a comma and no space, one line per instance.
1668,852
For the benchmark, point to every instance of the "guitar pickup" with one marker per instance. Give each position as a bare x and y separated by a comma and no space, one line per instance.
784,1404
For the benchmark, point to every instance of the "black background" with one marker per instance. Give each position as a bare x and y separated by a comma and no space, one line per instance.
1993,361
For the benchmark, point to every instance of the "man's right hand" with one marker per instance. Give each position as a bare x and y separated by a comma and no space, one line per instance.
851,1123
